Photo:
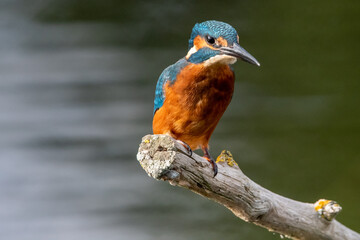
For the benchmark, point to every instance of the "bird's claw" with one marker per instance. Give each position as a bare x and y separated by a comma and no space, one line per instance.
186,146
211,160
213,164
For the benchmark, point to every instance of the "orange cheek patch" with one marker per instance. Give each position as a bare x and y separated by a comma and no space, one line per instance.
200,42
222,42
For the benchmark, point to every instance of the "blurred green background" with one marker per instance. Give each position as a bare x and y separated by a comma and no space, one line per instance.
76,92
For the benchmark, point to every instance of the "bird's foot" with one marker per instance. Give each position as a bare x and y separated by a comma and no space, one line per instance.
186,146
213,164
210,159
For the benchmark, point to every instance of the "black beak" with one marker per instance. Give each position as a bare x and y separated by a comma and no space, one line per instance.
237,51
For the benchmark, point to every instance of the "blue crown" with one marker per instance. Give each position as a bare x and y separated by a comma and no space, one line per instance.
214,29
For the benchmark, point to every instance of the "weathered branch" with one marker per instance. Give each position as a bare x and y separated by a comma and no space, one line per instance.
164,158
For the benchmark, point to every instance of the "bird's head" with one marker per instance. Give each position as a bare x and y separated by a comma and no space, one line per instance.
216,42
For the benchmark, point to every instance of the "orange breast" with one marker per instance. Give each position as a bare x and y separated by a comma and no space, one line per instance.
195,103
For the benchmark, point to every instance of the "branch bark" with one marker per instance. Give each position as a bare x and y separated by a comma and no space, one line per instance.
163,158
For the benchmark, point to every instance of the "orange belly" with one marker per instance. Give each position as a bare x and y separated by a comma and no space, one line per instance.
195,103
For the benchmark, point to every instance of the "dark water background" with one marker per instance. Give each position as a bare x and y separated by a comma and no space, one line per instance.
77,81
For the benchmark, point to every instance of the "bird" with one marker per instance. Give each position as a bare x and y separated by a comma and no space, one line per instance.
192,94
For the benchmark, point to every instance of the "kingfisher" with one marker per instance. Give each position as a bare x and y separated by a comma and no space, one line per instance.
192,94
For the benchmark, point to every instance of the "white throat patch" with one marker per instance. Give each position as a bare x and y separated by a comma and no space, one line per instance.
221,59
191,52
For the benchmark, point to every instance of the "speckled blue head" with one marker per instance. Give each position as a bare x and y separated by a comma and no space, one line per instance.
214,29
216,42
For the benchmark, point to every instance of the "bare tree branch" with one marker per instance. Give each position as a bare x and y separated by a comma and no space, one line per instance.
164,158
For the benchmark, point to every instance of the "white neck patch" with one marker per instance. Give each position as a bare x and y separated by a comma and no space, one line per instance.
221,59
191,52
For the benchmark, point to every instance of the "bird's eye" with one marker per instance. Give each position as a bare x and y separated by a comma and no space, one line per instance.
210,39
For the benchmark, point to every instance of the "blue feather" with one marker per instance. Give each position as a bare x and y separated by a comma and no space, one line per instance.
215,29
169,74
202,55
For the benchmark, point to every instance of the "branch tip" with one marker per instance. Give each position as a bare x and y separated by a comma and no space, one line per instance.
327,209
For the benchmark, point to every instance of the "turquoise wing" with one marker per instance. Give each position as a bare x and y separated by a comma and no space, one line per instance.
169,74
